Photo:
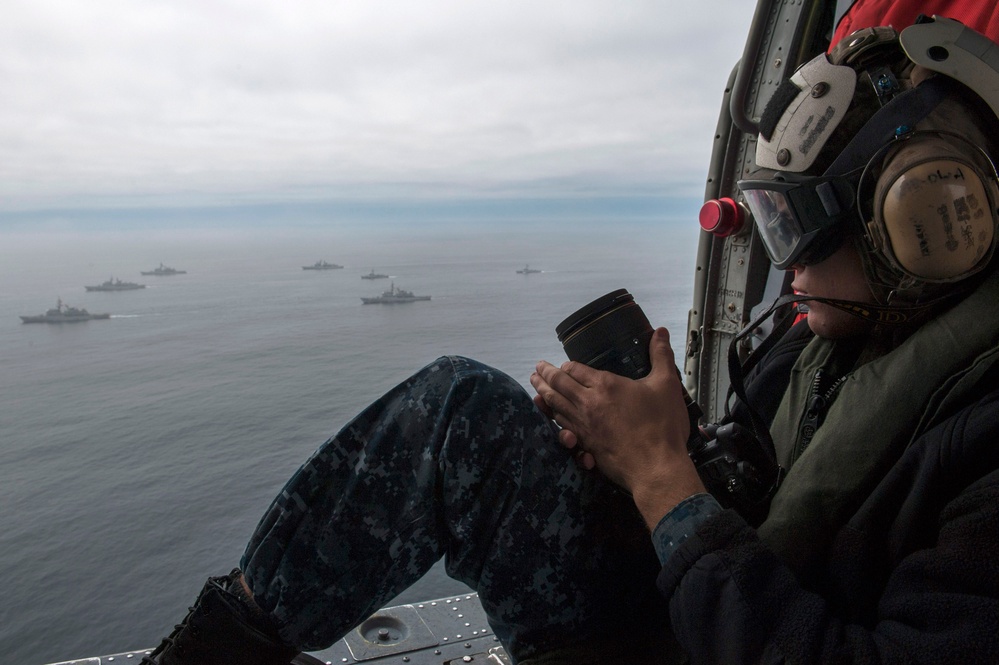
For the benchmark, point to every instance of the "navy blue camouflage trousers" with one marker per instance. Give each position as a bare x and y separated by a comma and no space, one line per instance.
455,462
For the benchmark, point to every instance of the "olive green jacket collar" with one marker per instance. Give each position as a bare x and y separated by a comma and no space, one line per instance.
880,409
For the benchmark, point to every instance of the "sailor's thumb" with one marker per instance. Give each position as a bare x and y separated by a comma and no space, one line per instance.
660,351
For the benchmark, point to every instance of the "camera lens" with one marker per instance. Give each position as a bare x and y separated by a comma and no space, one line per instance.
611,333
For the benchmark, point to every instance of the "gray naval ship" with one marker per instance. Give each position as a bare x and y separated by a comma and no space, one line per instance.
164,270
374,275
528,270
115,285
322,264
393,295
64,314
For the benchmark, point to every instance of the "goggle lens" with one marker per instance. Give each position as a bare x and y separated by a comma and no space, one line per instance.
775,220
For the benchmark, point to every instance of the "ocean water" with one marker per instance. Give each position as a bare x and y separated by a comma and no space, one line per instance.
138,453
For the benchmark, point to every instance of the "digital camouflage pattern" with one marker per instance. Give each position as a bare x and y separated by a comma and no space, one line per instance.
455,462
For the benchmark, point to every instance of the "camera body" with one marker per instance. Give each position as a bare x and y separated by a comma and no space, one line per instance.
732,465
612,333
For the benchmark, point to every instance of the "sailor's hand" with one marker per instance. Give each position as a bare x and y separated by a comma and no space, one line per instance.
635,432
566,437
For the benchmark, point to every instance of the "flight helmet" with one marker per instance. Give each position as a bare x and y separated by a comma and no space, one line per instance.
887,141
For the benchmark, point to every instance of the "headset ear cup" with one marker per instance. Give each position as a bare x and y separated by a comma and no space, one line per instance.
933,216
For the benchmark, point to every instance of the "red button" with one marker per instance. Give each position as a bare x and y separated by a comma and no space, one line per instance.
722,217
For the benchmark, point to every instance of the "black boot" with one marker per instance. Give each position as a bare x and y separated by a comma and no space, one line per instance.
221,629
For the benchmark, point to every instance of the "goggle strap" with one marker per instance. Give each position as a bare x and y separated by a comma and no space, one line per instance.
905,109
827,195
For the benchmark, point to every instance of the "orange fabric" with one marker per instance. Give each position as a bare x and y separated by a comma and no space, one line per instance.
980,15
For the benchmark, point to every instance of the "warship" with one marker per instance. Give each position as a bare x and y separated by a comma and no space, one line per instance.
374,275
64,314
322,265
115,285
527,270
393,295
164,270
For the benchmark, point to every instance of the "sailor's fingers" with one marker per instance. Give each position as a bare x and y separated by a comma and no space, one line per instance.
661,356
569,441
556,388
581,374
586,461
543,406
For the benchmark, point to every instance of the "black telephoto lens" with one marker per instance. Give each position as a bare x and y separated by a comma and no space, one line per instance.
611,333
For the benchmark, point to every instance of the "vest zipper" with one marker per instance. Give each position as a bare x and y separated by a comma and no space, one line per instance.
817,403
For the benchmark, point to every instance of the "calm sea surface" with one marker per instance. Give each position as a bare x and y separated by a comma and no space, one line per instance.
137,453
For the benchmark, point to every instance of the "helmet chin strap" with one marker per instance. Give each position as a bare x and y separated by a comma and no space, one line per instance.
886,315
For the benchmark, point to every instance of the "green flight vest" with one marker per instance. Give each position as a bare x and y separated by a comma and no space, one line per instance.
880,409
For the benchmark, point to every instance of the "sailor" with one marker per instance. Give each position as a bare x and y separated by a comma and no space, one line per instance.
877,187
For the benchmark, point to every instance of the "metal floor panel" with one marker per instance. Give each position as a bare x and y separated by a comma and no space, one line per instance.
446,631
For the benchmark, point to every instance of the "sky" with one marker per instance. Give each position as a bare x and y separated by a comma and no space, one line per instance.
211,104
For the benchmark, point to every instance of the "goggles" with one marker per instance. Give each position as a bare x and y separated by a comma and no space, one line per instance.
801,219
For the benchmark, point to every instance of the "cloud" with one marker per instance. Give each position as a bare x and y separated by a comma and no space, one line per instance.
200,101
